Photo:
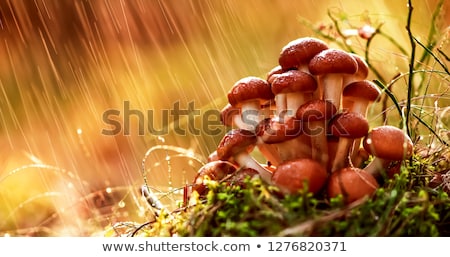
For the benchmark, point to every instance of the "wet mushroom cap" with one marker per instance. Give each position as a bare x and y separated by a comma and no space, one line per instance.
292,175
389,143
352,183
333,61
300,51
363,69
250,88
234,142
349,124
316,110
273,73
275,130
363,89
215,170
293,81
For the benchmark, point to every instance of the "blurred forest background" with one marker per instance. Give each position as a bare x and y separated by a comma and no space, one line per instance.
64,63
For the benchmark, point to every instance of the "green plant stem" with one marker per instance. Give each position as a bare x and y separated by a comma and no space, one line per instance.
431,130
338,30
390,95
429,51
411,68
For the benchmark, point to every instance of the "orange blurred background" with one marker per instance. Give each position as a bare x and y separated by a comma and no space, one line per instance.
64,63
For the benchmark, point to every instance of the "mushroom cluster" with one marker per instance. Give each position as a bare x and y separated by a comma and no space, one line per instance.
308,119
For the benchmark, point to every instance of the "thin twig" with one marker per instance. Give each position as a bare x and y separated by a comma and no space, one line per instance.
429,51
411,67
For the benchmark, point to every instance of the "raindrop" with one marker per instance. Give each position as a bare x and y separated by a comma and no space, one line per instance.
160,138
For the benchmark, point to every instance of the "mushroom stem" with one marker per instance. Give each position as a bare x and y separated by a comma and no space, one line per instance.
376,166
295,148
237,120
361,108
318,93
281,104
245,160
319,145
360,157
295,100
332,88
342,153
250,114
269,151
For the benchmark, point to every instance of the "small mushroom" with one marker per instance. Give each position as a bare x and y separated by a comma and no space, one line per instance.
387,144
293,175
249,94
359,95
347,126
292,89
236,145
331,66
315,115
352,183
357,98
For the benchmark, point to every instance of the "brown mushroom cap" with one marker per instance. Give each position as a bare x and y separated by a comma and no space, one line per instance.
389,143
316,110
293,81
291,176
215,170
250,88
363,90
333,61
362,71
275,130
352,183
275,71
300,51
234,142
349,124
